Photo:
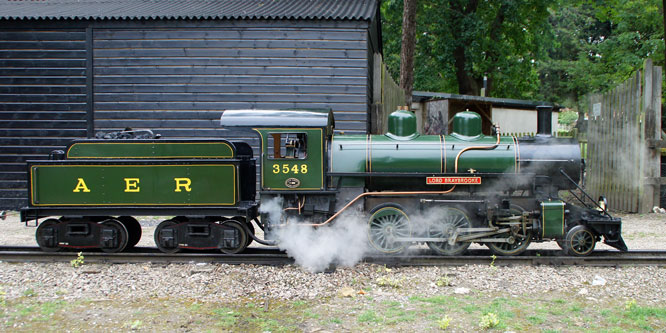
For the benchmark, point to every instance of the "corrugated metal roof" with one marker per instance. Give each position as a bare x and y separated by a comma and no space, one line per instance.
188,9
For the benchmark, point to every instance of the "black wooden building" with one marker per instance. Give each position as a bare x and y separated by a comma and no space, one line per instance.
72,68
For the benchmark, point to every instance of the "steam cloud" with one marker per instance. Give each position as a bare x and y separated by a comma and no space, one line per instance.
343,242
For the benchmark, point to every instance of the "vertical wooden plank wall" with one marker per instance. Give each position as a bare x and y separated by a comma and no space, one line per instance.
621,164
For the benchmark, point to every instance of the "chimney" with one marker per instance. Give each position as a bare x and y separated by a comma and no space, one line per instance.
544,119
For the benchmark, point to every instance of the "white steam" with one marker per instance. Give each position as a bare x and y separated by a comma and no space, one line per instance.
342,242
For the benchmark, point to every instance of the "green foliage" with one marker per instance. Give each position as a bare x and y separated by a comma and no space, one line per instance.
549,50
29,292
226,317
597,45
76,263
630,305
368,317
444,323
443,281
489,320
567,117
134,325
458,42
387,281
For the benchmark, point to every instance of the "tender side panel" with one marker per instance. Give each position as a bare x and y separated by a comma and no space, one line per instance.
135,184
150,149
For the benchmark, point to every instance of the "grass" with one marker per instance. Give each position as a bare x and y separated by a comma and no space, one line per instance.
392,312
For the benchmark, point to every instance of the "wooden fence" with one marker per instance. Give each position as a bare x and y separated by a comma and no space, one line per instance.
623,141
387,96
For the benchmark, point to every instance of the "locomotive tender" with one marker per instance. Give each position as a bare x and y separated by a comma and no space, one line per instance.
446,191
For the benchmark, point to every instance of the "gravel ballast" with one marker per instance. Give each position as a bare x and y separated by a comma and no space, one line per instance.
218,281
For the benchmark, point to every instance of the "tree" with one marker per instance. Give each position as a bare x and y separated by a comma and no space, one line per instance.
458,42
407,49
597,45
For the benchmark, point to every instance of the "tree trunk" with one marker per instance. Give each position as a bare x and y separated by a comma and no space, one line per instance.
407,50
466,83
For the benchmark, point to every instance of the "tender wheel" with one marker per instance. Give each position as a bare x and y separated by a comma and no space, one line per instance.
521,240
114,236
387,223
166,236
230,246
451,220
47,237
580,241
250,228
133,229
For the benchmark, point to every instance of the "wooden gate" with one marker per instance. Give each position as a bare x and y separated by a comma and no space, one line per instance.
624,132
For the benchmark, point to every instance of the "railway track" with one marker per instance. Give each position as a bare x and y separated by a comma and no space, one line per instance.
271,256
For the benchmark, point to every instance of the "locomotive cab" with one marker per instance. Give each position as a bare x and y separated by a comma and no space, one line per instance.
294,157
292,146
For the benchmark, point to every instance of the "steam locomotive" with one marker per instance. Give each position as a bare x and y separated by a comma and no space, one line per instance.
446,191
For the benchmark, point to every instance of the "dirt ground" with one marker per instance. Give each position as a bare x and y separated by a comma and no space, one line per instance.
362,298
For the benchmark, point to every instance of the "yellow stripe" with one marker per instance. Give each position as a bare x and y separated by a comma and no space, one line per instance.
281,129
32,200
152,143
563,218
261,138
515,154
543,221
443,148
370,152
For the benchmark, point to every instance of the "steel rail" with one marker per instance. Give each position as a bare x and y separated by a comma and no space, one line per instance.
274,257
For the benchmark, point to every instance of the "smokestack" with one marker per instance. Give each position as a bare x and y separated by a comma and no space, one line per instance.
544,119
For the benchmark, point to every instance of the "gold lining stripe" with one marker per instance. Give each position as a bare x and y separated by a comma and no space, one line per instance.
543,221
370,152
299,129
441,156
34,167
518,153
331,153
152,143
562,218
515,153
261,143
443,148
366,153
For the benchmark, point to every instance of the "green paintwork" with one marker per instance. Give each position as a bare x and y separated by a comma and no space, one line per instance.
552,218
402,123
288,168
421,154
150,149
56,185
467,123
349,154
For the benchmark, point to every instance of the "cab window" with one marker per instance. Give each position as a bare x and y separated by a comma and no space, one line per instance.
287,145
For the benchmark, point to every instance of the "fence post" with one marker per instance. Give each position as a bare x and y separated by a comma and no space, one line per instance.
651,110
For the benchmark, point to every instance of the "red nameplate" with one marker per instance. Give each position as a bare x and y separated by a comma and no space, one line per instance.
453,180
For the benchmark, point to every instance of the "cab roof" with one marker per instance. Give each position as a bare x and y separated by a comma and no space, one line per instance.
297,118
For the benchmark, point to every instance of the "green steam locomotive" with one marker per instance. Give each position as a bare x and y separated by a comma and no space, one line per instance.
446,191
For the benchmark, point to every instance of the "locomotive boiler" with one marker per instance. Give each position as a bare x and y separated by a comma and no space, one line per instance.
446,191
